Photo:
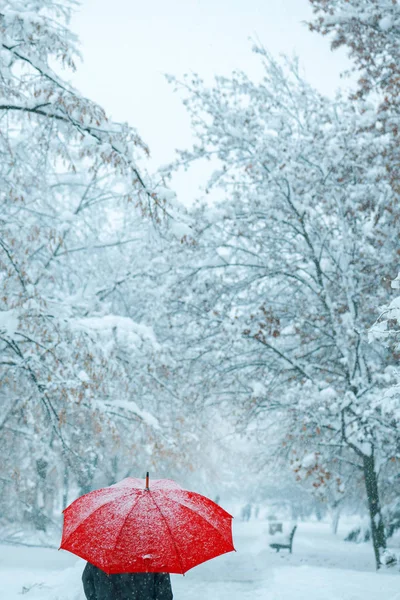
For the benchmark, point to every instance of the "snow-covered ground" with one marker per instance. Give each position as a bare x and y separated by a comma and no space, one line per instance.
322,567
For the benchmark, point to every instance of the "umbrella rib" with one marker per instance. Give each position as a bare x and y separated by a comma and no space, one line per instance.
170,532
125,520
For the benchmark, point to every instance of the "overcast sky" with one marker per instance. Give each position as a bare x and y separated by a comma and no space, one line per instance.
128,45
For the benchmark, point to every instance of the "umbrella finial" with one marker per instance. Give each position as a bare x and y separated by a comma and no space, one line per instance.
147,481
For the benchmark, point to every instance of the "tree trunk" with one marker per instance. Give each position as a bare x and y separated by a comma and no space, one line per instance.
65,486
374,506
336,517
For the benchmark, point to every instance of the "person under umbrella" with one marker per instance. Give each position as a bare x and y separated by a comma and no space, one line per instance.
133,537
97,585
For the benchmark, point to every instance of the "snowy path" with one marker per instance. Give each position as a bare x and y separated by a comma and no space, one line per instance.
322,568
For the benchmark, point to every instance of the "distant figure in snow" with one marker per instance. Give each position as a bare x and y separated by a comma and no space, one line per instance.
246,512
125,586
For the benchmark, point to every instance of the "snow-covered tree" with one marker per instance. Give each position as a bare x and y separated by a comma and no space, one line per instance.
370,30
282,283
80,372
386,331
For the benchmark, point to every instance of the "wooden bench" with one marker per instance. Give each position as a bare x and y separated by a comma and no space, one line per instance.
285,546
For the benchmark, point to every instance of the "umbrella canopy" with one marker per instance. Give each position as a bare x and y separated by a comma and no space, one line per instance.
130,527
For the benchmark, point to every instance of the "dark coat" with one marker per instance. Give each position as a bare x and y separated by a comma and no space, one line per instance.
125,586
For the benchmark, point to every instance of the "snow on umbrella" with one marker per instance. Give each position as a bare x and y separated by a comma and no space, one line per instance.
130,527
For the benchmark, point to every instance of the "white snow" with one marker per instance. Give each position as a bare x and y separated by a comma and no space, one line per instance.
322,567
8,322
166,194
386,23
131,406
328,394
83,376
396,283
180,229
126,328
310,460
258,388
67,216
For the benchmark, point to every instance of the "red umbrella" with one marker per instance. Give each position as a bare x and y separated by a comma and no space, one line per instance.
130,528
